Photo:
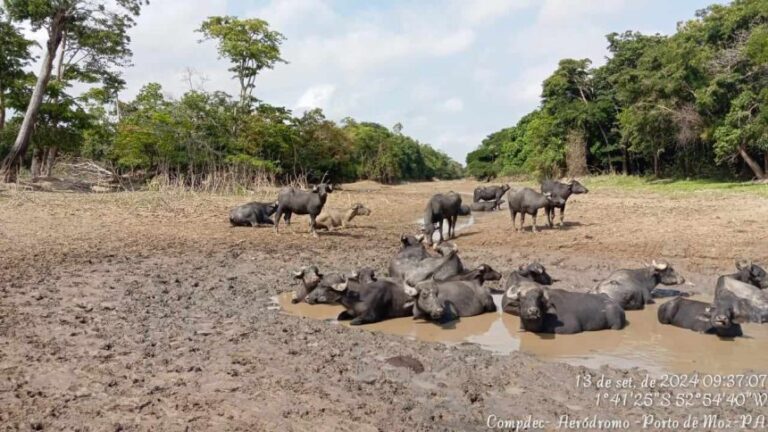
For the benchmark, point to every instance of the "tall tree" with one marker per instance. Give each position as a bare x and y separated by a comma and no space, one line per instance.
249,45
14,56
87,24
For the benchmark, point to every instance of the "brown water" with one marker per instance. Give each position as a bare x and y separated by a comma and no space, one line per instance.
644,343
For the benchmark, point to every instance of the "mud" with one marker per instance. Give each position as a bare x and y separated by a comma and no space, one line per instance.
147,311
644,343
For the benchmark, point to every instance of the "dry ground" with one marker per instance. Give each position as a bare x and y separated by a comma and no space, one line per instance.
145,310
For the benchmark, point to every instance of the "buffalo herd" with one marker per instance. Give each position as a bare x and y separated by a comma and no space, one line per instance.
427,280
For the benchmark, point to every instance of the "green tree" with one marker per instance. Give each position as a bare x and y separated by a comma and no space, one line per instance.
95,26
249,45
15,55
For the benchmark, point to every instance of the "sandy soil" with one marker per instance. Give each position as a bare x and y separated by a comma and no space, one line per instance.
145,310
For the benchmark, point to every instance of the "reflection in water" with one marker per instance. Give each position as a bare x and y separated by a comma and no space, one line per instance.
644,343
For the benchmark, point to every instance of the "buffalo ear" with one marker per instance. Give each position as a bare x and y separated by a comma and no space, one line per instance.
298,273
410,290
660,265
330,188
420,238
315,188
548,302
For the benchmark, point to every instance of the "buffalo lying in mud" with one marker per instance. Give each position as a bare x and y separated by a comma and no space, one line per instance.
547,310
744,293
526,275
332,218
462,295
252,214
439,208
291,200
485,206
699,316
528,201
561,190
411,251
632,289
371,302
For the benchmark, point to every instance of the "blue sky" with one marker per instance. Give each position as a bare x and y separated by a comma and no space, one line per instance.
451,71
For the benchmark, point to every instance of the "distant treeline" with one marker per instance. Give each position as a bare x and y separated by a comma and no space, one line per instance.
189,139
692,104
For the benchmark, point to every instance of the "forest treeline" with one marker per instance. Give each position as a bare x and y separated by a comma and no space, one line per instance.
691,104
190,138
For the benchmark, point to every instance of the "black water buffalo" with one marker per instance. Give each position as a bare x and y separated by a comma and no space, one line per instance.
442,207
372,302
751,273
291,200
490,193
411,252
526,275
528,201
547,310
699,316
252,214
562,190
632,288
486,206
461,295
748,302
324,293
440,267
310,278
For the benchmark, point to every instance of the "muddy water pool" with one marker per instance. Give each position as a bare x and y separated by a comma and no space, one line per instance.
643,343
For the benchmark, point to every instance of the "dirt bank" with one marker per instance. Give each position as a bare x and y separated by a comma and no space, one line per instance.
136,311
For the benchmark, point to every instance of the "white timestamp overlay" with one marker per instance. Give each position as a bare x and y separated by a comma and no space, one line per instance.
678,392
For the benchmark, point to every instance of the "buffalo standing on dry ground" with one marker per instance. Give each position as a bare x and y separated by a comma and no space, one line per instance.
252,214
442,207
528,201
632,288
332,218
564,191
291,200
490,193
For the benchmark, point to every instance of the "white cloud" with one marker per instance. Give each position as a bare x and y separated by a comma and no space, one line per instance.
316,97
453,104
481,11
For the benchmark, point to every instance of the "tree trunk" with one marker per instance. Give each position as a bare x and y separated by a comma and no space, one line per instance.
50,159
38,156
2,108
624,159
576,153
10,167
656,164
765,161
753,165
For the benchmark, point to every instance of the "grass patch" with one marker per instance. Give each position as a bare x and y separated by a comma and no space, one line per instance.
675,185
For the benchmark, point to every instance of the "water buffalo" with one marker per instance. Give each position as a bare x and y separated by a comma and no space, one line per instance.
750,273
632,288
486,206
442,207
412,251
291,200
310,278
372,302
252,214
332,218
324,293
528,201
748,302
490,193
562,190
546,310
440,267
699,316
526,275
461,295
